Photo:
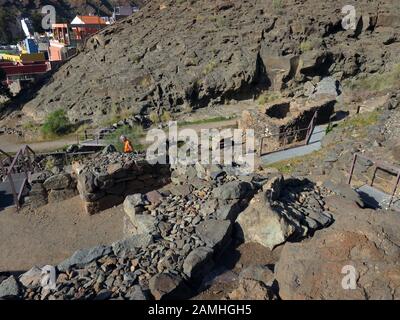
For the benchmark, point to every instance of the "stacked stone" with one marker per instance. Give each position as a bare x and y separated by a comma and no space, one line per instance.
284,209
104,181
46,187
174,235
173,239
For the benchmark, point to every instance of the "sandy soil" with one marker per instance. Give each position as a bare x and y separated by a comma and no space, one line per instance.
53,232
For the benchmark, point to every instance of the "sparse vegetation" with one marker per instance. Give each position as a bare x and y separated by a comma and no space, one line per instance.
268,96
30,126
135,58
277,6
50,164
360,120
377,82
154,118
134,134
204,121
145,81
306,46
288,166
210,67
56,124
117,114
166,116
221,22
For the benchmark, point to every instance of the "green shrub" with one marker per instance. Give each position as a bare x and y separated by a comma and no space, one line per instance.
50,164
166,116
268,96
134,134
306,46
154,118
56,124
277,6
205,121
210,67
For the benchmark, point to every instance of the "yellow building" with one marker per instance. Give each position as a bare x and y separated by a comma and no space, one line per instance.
23,57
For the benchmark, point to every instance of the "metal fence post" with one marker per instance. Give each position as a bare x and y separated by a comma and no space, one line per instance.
352,168
395,189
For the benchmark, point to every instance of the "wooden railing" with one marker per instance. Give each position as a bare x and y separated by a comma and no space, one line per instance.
290,134
23,159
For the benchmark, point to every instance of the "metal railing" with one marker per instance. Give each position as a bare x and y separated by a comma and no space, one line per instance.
377,165
92,134
290,134
3,161
22,158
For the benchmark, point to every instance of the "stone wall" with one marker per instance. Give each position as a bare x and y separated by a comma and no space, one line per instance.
286,116
105,182
46,187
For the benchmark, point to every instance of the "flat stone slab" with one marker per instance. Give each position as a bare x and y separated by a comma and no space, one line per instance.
376,198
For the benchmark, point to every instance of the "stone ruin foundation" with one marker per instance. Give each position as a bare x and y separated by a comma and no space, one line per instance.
283,118
105,182
101,180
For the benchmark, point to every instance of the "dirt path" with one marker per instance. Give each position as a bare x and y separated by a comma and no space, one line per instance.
11,143
52,233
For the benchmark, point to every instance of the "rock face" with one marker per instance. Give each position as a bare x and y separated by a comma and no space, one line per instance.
214,53
252,290
345,191
259,273
198,263
260,223
365,241
284,209
134,204
216,234
166,286
233,190
57,182
31,278
132,243
84,256
9,288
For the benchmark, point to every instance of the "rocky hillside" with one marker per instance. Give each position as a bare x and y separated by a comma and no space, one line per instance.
178,55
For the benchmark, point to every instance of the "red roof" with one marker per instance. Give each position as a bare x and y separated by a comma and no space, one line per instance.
92,20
